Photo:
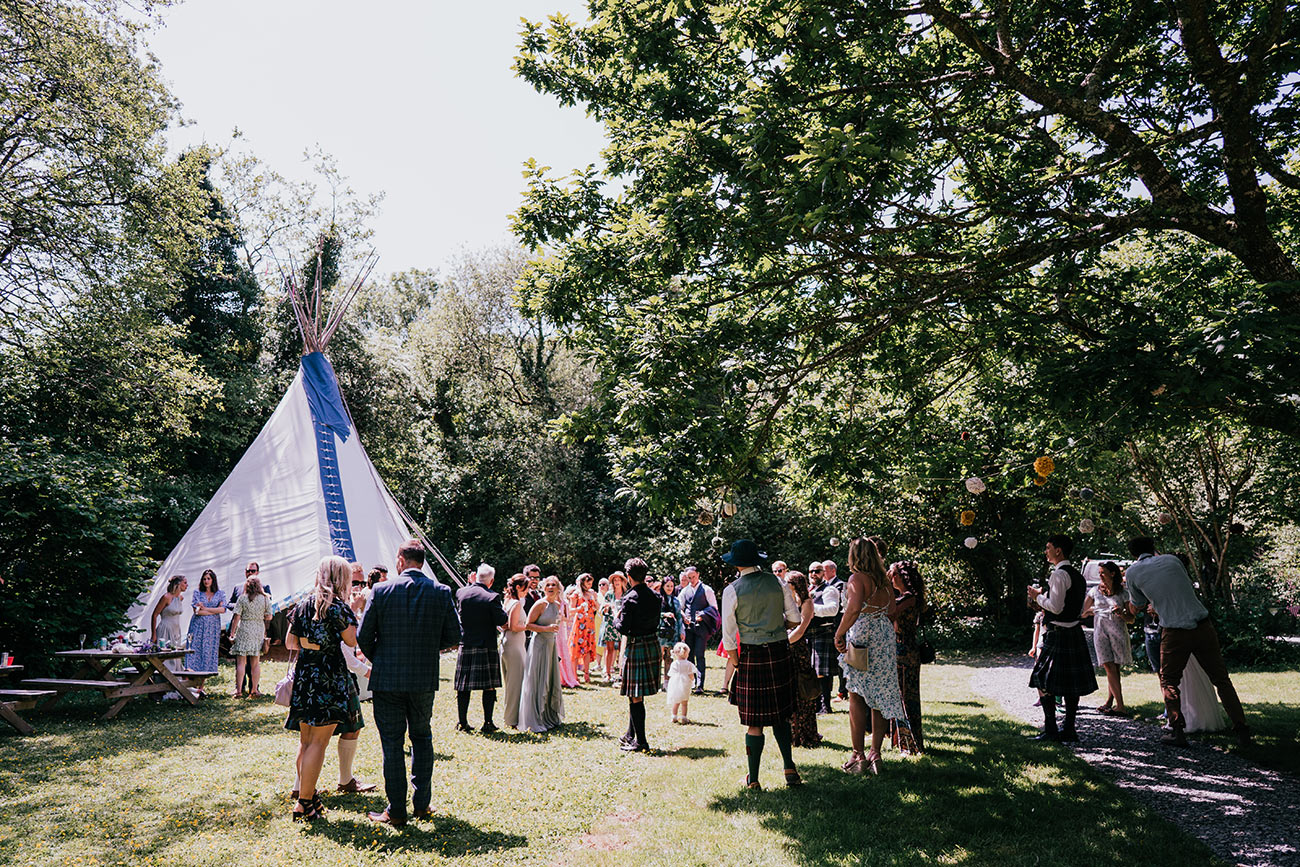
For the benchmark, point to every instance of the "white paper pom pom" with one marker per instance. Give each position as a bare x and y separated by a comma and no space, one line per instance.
1086,526
835,541
975,485
971,542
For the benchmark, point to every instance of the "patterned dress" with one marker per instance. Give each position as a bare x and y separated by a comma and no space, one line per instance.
878,686
205,632
583,638
803,725
908,738
324,691
609,635
252,611
169,629
1110,636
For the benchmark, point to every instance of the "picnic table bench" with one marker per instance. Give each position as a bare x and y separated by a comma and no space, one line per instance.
14,700
149,675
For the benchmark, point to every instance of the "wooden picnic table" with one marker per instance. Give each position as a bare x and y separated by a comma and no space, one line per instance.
14,700
150,676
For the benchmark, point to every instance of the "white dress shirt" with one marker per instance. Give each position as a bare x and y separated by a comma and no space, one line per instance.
1057,585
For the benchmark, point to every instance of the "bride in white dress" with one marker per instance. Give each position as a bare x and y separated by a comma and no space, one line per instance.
1202,711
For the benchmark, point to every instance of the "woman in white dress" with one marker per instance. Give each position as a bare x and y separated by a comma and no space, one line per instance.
1108,604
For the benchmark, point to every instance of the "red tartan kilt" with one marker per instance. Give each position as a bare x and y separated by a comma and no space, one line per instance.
763,688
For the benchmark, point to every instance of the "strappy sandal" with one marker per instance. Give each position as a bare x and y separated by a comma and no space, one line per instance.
855,758
752,786
792,778
317,805
309,811
873,762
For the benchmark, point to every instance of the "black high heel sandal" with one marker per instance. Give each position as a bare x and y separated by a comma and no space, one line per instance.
309,813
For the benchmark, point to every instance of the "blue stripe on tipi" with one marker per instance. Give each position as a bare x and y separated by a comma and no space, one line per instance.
329,417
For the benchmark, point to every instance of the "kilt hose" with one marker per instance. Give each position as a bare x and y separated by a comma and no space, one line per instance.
1063,666
825,658
641,667
763,688
477,668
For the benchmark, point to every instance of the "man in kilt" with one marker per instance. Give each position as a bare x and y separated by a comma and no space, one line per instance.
1063,666
759,609
821,633
478,665
638,620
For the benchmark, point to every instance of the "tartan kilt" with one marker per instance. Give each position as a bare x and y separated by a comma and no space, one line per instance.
825,658
642,674
763,688
1063,666
477,668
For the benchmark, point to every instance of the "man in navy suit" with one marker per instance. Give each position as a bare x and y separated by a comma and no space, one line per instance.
410,620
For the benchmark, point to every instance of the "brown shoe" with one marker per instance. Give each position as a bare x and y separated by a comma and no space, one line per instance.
423,815
355,786
386,819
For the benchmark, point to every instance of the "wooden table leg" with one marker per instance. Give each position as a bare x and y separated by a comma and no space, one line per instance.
170,676
142,678
15,720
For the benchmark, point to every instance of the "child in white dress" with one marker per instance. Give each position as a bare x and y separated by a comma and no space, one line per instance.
681,677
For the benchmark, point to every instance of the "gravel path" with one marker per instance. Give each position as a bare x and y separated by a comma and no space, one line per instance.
1246,814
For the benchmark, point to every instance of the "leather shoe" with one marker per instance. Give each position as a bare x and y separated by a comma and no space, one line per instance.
1176,738
386,819
462,727
634,747
423,815
355,786
489,727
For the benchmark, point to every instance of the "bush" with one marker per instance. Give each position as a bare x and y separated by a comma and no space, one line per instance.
74,550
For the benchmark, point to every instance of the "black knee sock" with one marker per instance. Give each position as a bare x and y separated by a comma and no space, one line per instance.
827,682
1071,708
781,731
462,706
489,702
1049,713
754,753
637,712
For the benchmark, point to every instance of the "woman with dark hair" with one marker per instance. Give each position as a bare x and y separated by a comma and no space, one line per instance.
868,609
803,725
248,635
909,602
672,628
209,603
583,605
165,622
514,655
1108,604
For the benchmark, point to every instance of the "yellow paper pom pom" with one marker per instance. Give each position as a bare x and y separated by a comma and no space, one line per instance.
1040,481
1044,466
967,518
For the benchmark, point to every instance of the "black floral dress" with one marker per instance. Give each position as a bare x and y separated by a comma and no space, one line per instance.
324,691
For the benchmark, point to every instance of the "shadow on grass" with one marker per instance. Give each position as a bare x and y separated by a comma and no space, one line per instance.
446,835
697,752
986,798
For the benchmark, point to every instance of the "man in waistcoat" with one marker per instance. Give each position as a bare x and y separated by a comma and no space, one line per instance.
696,597
756,612
1063,666
821,633
478,665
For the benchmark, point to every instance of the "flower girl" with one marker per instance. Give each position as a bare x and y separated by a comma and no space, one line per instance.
681,677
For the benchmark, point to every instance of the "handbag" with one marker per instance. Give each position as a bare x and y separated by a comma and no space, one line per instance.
284,689
809,687
857,657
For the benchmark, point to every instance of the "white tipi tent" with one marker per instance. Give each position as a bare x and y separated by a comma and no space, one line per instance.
304,489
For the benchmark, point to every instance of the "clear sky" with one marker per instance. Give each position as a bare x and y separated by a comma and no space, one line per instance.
416,99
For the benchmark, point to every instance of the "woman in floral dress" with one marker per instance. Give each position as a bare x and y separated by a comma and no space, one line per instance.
208,603
909,600
324,691
609,637
583,603
868,608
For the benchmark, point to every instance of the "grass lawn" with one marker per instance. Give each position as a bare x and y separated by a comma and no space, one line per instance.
169,784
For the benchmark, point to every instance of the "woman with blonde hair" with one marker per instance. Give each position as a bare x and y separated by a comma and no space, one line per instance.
248,635
324,691
869,608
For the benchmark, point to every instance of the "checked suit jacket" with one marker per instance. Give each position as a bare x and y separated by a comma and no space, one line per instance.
410,621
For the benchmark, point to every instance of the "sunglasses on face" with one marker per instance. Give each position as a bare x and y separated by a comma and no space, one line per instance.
358,584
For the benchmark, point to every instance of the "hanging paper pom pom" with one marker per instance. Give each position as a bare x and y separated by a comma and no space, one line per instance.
1087,493
1044,466
728,510
967,518
1087,526
971,542
1165,518
835,541
705,517
975,485
1040,481
717,542
910,483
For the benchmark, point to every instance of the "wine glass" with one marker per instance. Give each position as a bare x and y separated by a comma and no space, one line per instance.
82,639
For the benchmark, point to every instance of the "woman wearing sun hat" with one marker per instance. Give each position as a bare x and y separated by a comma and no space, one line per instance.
756,612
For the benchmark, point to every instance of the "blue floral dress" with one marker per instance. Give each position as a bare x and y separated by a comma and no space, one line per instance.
205,632
878,686
324,691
